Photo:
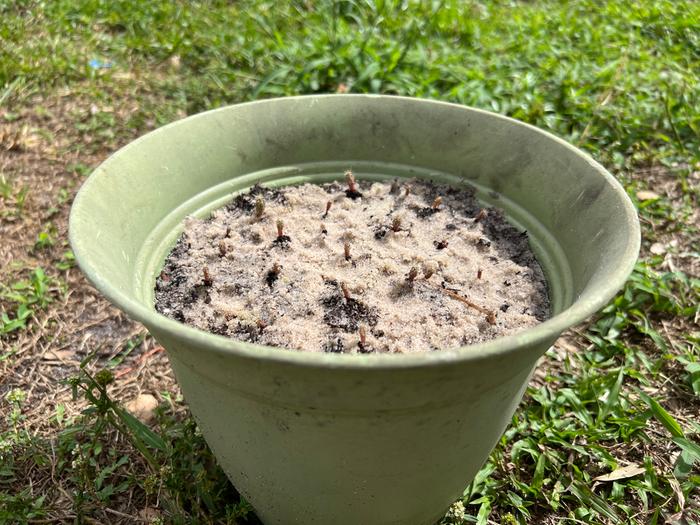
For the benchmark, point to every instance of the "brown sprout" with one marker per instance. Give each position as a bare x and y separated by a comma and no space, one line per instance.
481,215
350,179
478,273
346,292
328,207
280,228
436,203
222,248
208,281
363,335
346,250
396,223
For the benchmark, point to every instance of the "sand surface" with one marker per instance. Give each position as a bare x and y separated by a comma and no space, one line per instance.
388,268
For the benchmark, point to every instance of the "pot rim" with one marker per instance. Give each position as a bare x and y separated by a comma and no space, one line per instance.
544,332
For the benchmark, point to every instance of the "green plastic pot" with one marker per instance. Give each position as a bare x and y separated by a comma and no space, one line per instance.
314,438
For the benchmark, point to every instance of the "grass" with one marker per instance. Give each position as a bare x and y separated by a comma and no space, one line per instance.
608,431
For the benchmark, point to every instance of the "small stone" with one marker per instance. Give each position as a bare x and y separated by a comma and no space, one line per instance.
646,195
657,248
143,407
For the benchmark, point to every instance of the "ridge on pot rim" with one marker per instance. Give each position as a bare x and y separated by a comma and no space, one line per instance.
572,197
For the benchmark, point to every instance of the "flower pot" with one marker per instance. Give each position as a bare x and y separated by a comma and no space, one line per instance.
345,439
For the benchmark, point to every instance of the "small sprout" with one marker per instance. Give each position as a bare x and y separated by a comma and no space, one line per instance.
222,248
394,187
363,336
396,223
351,192
280,228
407,192
428,270
282,240
436,203
346,250
228,232
328,207
324,230
259,207
350,178
491,317
478,273
412,274
346,292
208,281
481,215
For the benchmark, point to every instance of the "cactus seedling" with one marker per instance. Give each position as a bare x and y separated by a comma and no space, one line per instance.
396,223
346,292
328,207
351,192
259,207
282,239
346,250
362,344
478,273
208,281
222,248
481,215
436,203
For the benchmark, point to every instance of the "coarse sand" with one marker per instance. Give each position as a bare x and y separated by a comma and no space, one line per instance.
398,267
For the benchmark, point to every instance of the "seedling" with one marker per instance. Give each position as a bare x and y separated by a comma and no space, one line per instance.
362,344
222,248
436,203
481,215
259,207
478,273
346,250
396,223
208,281
282,239
324,230
346,292
328,207
428,271
351,192
394,187
407,191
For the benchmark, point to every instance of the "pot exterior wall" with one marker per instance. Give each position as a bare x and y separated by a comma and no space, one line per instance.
347,447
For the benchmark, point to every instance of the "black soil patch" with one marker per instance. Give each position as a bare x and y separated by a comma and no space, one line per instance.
347,314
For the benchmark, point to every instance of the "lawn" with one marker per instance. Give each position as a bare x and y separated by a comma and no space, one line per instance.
609,430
